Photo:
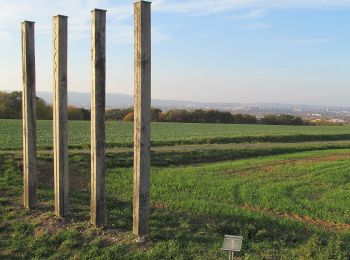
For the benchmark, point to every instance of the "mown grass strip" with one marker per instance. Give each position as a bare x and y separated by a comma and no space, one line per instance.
168,156
120,134
192,208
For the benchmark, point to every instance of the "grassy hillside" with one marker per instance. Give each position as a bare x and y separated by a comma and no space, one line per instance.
285,206
120,134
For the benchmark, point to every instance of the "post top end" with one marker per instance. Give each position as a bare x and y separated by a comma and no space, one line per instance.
60,15
25,21
142,1
98,10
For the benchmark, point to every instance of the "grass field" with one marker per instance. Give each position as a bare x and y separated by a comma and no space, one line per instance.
120,134
289,200
285,206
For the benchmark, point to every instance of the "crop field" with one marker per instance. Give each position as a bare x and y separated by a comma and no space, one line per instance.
285,189
120,134
286,206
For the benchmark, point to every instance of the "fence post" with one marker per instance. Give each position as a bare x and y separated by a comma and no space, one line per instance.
142,118
29,115
98,100
60,116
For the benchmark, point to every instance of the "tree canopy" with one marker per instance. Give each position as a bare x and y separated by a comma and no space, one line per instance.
11,108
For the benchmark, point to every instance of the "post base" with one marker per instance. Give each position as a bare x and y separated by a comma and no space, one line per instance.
141,239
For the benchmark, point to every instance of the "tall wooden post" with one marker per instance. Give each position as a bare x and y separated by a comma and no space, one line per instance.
60,116
98,97
29,115
142,118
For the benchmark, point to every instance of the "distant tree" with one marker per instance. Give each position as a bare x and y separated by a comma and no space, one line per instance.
238,119
282,119
86,114
269,120
11,105
43,110
226,118
11,108
129,117
74,113
212,116
155,114
250,119
2,104
110,114
173,116
117,114
299,121
205,116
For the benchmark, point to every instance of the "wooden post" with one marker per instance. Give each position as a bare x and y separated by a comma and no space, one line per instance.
29,115
142,118
60,116
98,97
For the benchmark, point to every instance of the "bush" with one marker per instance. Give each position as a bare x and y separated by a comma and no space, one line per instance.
129,117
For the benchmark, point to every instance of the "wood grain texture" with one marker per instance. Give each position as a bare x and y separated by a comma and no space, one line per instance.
60,116
29,116
142,118
98,100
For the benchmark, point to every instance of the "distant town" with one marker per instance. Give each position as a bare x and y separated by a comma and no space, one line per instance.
336,115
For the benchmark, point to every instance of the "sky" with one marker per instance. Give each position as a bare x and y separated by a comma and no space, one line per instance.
247,51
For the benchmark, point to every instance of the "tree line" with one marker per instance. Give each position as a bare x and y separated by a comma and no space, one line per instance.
206,116
11,108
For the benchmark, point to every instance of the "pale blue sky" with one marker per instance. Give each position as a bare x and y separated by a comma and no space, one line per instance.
288,51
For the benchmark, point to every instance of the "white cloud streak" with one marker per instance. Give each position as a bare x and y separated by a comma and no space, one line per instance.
307,41
205,7
119,14
250,15
256,26
119,26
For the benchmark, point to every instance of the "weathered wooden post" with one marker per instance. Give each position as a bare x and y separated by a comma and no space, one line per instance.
142,118
29,115
98,96
60,116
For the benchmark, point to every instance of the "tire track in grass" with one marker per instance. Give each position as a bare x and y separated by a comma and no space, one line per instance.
293,216
297,161
328,225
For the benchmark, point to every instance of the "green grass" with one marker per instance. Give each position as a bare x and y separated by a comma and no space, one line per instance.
285,189
120,134
285,206
196,154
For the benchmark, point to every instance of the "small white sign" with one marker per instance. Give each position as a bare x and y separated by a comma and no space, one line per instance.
232,243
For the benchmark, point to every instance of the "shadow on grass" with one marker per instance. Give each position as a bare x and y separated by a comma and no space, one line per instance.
174,233
176,158
170,224
80,163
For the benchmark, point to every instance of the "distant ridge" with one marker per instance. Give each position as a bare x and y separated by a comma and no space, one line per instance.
114,100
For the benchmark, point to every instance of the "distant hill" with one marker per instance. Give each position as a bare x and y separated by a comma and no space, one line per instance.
114,100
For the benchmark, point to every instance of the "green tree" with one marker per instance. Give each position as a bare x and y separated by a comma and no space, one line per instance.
74,113
129,117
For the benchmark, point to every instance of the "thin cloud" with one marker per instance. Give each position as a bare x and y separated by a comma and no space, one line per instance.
14,12
207,7
159,36
119,13
202,36
125,34
256,26
4,36
308,41
119,17
250,15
